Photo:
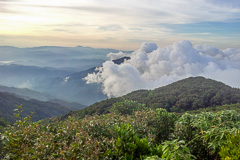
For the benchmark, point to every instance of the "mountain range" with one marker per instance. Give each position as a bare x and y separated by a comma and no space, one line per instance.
65,58
184,95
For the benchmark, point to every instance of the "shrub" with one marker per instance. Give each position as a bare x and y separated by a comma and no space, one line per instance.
162,123
206,132
128,145
231,149
127,107
172,150
176,150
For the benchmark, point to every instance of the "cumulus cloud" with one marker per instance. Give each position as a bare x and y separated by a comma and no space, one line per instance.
151,67
113,56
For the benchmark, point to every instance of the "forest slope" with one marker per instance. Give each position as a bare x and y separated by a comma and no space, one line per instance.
41,109
184,95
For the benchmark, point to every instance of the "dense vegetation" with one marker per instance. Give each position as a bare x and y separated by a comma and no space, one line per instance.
235,107
41,109
130,131
185,95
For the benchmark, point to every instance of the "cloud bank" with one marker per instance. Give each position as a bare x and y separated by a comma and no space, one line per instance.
114,56
151,67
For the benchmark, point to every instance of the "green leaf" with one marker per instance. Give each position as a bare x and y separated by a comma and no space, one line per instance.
118,143
188,158
186,149
164,147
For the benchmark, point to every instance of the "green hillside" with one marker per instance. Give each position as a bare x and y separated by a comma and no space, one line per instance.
41,109
185,95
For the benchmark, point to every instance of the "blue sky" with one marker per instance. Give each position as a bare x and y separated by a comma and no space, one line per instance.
230,28
122,24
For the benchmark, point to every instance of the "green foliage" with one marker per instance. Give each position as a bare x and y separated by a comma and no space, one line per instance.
231,149
128,145
162,123
127,107
63,140
235,107
153,158
157,124
176,150
157,151
205,133
41,109
147,134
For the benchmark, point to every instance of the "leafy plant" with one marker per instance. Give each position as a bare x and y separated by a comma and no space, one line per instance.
162,123
176,150
231,149
205,133
127,107
128,145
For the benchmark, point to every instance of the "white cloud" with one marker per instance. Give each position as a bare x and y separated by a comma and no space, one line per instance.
113,56
151,67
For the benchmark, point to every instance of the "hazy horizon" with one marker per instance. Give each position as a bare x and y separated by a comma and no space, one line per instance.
122,25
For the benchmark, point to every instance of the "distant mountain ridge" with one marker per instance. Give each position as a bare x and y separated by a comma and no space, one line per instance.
41,109
187,94
65,58
26,76
28,94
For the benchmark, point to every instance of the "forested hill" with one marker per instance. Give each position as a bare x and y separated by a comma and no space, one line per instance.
187,94
41,109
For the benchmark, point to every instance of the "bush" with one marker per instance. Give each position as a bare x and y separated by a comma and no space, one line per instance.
176,150
128,145
206,132
231,149
127,107
172,150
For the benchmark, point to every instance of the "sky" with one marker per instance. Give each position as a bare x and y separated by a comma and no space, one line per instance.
121,24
